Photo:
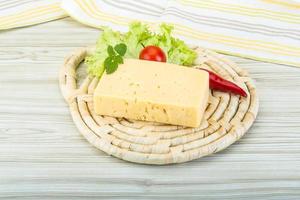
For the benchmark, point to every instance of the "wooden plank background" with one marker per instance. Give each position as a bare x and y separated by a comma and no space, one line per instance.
43,156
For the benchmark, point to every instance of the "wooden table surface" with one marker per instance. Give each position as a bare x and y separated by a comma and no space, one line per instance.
43,156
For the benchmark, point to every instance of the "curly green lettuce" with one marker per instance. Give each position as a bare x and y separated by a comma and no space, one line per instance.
137,37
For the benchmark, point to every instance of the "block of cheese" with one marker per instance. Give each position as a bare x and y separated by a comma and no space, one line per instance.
153,91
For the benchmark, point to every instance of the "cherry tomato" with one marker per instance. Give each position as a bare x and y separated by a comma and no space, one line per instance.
153,53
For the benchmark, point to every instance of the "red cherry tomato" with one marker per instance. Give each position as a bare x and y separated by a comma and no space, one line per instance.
153,53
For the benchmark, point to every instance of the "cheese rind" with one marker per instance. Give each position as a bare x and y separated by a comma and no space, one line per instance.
153,91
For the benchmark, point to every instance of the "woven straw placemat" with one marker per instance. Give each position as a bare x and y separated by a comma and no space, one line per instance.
227,117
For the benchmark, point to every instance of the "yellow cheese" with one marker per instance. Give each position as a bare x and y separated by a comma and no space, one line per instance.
153,91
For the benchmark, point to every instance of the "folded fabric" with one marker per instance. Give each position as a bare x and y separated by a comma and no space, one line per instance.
18,13
266,30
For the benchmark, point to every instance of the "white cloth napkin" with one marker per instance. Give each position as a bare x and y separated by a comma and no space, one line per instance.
266,30
18,13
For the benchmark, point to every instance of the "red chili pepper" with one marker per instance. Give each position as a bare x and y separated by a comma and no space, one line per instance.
218,83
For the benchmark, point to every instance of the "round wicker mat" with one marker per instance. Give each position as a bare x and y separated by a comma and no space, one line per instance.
227,117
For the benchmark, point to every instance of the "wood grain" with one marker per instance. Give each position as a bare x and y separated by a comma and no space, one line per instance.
42,155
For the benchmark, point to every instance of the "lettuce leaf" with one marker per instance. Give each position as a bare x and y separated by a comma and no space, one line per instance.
134,38
137,37
95,62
